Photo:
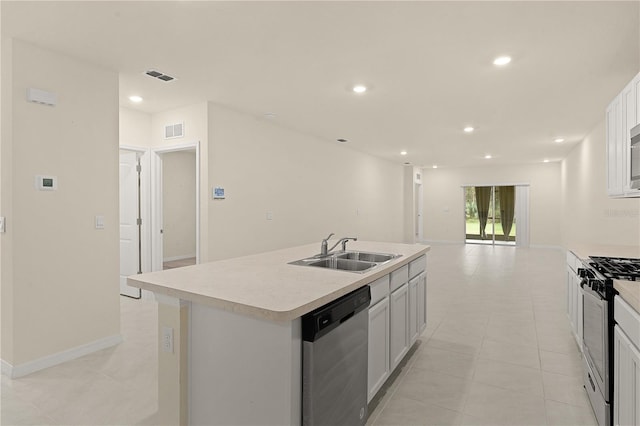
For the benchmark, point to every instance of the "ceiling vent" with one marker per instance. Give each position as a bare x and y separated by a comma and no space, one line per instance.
159,75
172,131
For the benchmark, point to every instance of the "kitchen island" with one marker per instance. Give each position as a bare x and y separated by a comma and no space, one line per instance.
229,331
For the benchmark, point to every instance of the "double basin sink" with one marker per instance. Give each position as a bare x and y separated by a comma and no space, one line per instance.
351,261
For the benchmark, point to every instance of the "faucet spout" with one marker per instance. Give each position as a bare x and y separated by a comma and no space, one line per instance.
342,241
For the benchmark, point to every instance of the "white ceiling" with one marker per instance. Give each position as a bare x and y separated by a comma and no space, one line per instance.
428,66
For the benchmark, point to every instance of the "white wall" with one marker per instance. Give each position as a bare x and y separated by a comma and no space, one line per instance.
311,188
64,282
589,215
444,202
179,204
134,128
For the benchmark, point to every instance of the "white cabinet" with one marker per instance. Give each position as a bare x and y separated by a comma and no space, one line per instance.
626,392
626,364
417,307
397,316
422,303
614,147
379,366
399,321
622,114
413,310
574,297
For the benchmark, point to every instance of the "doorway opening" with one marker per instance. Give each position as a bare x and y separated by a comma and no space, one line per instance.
490,215
176,206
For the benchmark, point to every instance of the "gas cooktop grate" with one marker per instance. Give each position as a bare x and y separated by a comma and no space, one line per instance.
619,268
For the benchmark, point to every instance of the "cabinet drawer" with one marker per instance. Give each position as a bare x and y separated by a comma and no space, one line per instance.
417,266
379,289
628,319
398,277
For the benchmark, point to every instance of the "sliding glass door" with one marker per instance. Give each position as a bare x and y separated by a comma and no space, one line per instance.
490,214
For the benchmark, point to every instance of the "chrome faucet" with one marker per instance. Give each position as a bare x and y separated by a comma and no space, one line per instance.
323,246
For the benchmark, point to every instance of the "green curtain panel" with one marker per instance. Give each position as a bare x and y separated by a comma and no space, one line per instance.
483,199
507,208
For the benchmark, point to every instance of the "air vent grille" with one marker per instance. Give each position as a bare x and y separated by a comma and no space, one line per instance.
172,131
159,75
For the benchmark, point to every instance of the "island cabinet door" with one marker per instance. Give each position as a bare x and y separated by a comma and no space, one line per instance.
413,310
399,312
422,302
378,347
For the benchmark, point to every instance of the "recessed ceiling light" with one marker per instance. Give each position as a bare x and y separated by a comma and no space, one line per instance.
488,156
502,60
435,166
559,140
270,115
403,152
135,98
546,160
359,88
469,129
341,140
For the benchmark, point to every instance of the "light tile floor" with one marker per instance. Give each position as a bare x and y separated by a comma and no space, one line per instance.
497,351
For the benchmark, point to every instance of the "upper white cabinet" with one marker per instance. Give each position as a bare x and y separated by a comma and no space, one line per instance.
623,113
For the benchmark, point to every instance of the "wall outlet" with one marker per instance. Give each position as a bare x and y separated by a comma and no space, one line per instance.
167,339
99,222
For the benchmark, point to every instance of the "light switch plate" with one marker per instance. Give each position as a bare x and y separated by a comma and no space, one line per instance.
3,224
99,222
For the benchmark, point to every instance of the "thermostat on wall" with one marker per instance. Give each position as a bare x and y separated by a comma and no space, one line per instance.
46,183
218,193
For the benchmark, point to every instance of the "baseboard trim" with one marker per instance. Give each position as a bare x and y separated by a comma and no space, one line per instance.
171,259
15,371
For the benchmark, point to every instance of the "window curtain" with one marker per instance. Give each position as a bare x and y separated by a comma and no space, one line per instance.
507,207
483,199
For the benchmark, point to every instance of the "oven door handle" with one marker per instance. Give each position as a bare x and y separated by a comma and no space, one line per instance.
593,385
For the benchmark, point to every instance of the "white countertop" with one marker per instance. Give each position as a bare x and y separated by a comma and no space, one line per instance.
629,290
266,286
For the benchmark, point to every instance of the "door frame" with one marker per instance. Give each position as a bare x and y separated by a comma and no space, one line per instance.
145,204
156,200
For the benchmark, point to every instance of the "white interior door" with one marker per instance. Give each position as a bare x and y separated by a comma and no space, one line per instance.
129,244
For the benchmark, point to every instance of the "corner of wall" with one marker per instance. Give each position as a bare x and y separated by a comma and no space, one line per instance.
6,199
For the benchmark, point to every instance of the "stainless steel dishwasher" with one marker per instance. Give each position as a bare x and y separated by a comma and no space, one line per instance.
334,361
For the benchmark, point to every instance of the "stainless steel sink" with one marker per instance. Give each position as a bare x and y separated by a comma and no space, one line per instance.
367,256
343,264
351,261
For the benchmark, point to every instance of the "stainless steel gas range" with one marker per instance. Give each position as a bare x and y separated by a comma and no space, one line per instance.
597,275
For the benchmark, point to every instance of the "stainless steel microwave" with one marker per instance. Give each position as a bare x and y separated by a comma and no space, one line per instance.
635,157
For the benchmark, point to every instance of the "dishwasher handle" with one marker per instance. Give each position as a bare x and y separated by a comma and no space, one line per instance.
321,321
